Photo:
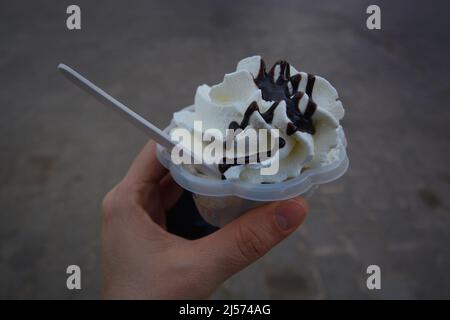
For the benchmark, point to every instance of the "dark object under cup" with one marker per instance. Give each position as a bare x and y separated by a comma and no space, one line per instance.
185,221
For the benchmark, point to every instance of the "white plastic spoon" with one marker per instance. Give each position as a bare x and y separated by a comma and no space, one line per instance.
154,132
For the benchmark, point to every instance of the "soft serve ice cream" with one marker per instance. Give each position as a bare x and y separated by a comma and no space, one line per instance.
305,109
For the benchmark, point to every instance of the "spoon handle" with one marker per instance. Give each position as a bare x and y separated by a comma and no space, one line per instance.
154,132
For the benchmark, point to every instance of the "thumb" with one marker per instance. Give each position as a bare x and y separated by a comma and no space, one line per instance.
249,237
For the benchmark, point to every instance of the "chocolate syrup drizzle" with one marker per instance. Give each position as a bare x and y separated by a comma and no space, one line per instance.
279,90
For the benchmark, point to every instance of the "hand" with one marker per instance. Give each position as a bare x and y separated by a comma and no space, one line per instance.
140,259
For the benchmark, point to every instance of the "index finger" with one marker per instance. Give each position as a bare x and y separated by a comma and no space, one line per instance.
146,168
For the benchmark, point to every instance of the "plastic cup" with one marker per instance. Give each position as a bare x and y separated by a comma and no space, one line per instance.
219,211
221,201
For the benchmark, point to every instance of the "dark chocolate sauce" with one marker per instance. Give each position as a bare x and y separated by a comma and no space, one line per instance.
278,90
225,166
284,88
310,85
291,128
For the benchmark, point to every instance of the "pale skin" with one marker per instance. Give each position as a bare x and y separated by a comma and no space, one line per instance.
141,260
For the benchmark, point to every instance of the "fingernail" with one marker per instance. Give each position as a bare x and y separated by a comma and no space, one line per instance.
289,214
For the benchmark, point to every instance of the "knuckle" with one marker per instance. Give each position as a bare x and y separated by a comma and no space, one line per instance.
113,200
118,202
108,206
108,201
250,243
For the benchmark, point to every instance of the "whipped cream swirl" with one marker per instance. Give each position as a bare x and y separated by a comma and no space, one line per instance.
305,108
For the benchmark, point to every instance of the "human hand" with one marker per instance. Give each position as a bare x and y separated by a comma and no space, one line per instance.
141,260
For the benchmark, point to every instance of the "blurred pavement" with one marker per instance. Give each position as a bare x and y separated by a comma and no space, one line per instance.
61,151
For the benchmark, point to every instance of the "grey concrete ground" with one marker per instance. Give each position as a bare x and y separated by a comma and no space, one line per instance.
61,151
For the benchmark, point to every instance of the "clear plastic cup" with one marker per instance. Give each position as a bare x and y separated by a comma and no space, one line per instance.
219,211
221,201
